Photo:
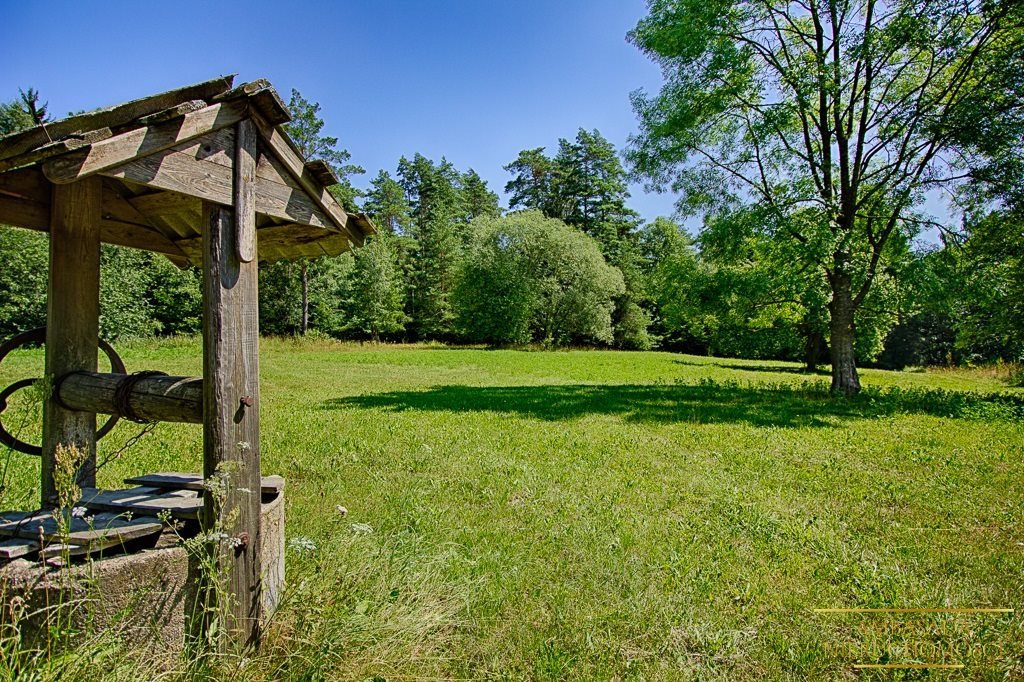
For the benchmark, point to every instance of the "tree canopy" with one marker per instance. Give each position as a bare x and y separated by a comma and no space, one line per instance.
835,117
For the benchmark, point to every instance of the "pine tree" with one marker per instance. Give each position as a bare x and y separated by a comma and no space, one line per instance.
378,291
304,129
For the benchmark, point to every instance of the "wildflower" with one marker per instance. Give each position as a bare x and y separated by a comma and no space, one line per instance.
78,512
341,510
362,528
302,544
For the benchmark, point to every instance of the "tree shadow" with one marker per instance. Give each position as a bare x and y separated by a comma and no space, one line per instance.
821,371
707,402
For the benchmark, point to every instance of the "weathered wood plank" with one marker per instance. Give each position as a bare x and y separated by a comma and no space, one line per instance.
231,427
143,501
25,183
285,151
125,225
362,222
22,142
245,191
23,213
137,237
16,547
84,535
44,152
143,141
180,171
174,480
152,398
270,106
114,228
322,172
72,319
25,199
284,241
81,529
164,203
36,217
171,113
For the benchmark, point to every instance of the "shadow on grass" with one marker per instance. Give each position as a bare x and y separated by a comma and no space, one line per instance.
821,371
706,402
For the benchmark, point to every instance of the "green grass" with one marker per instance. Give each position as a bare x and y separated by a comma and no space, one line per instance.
607,515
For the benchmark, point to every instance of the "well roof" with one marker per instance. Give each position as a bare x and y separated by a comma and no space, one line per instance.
161,156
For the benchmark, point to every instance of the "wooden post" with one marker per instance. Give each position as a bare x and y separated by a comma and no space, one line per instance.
231,425
72,322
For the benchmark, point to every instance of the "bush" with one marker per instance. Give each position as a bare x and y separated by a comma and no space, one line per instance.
529,278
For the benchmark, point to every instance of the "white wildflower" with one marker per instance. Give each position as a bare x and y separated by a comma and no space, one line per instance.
302,544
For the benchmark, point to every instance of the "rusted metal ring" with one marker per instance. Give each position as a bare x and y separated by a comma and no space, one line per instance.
6,437
38,336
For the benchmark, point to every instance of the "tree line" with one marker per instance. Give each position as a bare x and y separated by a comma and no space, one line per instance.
806,137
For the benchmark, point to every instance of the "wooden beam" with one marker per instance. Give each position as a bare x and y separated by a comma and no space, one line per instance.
138,237
119,222
123,224
44,152
142,141
110,117
32,216
278,242
23,213
263,98
231,425
190,170
322,172
72,323
25,183
163,203
152,398
285,152
361,222
245,191
170,113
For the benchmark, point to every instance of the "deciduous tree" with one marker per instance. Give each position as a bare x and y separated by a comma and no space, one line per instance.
840,107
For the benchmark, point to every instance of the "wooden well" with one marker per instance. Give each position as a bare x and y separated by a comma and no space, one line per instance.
204,175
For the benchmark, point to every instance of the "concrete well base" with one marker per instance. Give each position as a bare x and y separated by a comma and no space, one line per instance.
147,598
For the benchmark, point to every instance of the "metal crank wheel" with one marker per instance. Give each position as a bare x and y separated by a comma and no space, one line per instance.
38,337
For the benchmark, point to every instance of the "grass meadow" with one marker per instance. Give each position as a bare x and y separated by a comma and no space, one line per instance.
607,515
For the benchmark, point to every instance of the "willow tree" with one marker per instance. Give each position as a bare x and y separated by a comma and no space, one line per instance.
838,109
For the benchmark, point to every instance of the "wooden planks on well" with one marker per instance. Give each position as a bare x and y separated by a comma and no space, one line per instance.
28,532
144,501
175,480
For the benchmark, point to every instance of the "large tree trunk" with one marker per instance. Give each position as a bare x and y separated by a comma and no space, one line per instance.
304,322
844,360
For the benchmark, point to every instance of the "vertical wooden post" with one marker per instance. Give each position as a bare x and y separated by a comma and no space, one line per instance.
231,400
72,321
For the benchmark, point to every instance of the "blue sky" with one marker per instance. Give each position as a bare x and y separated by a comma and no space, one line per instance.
473,80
